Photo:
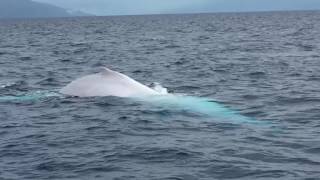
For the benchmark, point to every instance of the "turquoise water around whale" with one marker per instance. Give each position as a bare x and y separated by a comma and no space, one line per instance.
229,72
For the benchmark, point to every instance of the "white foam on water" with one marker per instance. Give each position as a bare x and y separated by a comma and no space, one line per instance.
6,84
30,96
159,88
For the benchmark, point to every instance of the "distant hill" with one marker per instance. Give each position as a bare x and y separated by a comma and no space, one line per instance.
31,9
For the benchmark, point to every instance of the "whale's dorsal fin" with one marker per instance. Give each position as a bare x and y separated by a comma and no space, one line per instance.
106,71
110,73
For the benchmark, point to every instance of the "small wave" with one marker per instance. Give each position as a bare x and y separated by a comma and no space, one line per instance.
48,81
257,74
17,85
172,46
4,85
25,58
78,44
306,47
159,154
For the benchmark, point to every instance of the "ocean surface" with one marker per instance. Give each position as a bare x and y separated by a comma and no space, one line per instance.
264,66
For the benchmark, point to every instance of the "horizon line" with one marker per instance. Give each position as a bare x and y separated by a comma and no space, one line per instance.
159,14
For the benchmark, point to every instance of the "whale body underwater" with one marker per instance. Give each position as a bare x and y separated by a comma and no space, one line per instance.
113,83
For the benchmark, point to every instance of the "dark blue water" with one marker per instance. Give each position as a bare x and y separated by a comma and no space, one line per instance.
265,66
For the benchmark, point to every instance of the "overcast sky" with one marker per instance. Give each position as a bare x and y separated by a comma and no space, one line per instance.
124,7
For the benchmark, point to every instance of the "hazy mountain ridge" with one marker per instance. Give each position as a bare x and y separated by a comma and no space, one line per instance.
31,9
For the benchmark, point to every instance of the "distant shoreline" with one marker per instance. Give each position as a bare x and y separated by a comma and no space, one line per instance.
27,9
160,14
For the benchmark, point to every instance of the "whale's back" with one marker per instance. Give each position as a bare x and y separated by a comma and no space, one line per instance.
106,83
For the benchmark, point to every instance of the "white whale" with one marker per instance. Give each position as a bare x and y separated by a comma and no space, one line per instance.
112,83
107,83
